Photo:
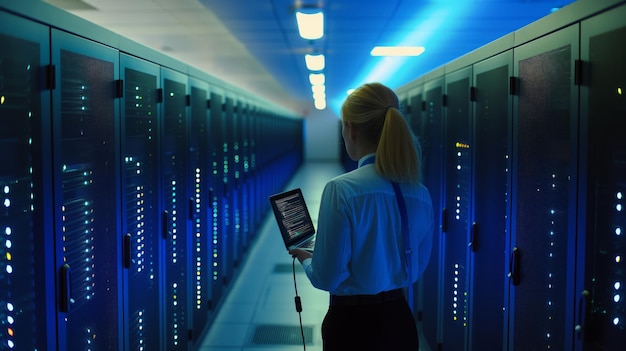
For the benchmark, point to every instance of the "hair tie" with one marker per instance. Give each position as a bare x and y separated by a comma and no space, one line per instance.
387,109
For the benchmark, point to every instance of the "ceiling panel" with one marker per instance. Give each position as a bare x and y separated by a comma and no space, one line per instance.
254,43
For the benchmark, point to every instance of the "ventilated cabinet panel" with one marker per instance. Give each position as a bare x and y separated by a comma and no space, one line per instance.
25,189
140,203
431,138
602,309
229,239
489,233
86,174
200,182
175,216
456,226
544,197
217,191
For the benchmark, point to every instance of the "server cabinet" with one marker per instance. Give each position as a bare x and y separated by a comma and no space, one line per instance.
544,193
244,174
457,198
27,299
217,202
490,234
432,151
231,203
199,205
175,215
601,313
141,214
415,115
85,132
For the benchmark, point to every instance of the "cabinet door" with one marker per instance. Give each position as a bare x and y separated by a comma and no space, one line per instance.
26,253
200,183
490,202
140,205
603,108
458,176
544,192
86,173
218,274
229,257
175,197
432,143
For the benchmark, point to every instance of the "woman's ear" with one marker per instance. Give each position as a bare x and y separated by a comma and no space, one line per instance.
353,130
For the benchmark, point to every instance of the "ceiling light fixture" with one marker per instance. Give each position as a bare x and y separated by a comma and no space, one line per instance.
318,89
314,62
397,51
310,24
320,104
317,78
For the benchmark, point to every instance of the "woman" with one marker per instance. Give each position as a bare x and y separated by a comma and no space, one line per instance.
359,254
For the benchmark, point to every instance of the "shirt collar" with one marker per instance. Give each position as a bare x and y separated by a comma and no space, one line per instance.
367,159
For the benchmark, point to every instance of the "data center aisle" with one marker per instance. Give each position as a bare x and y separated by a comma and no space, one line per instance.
259,312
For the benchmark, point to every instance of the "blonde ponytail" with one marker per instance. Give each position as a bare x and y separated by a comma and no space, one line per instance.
374,109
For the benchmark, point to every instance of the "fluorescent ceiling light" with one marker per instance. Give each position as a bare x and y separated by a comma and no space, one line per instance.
397,51
318,88
314,62
319,96
310,25
320,104
317,78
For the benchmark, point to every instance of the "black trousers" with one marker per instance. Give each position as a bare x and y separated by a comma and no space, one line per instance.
380,326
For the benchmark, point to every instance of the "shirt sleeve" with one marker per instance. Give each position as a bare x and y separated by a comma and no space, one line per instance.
329,265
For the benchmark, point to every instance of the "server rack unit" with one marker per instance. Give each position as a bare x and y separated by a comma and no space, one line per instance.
431,138
457,148
542,245
86,186
490,207
199,168
601,313
141,211
27,311
113,187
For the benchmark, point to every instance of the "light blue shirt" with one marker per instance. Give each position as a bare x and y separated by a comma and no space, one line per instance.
359,247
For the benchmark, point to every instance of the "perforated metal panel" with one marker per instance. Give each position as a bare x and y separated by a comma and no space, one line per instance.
281,335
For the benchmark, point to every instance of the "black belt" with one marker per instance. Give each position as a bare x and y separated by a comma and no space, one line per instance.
358,300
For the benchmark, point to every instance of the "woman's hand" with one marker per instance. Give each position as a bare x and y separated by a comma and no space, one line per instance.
300,254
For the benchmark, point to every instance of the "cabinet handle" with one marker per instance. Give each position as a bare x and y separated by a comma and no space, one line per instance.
473,244
583,314
211,198
192,211
514,267
66,288
164,224
126,251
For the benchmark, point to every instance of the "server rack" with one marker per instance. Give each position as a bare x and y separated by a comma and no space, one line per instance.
86,177
244,174
544,192
432,150
458,148
218,251
230,188
490,202
199,169
27,309
600,318
175,216
141,211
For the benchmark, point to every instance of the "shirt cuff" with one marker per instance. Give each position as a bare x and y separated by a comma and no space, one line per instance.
306,264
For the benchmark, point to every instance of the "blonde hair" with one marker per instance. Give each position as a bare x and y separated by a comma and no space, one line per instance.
373,108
